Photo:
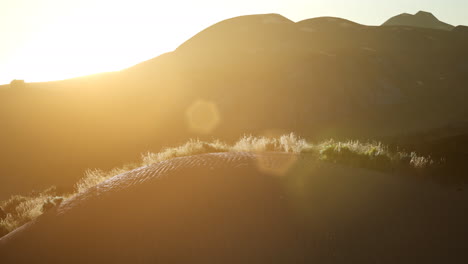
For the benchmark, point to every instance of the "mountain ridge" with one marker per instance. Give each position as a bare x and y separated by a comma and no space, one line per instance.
421,19
354,81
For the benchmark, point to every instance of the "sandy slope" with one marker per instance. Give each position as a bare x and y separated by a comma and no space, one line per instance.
243,208
321,78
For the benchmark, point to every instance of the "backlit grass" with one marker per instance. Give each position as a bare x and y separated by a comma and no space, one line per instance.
19,210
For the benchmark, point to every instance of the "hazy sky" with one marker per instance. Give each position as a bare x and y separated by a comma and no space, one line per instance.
56,39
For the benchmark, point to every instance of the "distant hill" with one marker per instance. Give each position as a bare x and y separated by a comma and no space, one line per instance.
262,74
421,19
461,29
326,24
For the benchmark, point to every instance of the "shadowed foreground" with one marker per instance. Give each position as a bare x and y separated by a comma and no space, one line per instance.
249,208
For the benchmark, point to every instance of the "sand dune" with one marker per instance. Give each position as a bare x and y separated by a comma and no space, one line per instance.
249,208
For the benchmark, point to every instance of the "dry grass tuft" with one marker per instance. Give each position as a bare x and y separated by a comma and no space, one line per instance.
93,177
19,210
192,147
286,143
372,155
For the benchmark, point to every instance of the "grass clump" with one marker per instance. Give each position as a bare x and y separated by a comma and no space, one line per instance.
192,147
287,143
373,155
19,210
93,177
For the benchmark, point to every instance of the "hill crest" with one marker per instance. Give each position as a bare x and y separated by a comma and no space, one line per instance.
421,19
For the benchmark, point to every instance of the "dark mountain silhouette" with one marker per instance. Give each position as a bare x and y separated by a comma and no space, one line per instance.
461,29
326,24
421,19
322,78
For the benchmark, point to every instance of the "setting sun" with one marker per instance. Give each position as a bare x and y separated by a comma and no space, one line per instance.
81,41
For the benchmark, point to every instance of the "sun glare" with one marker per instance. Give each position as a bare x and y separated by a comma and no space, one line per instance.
44,40
108,37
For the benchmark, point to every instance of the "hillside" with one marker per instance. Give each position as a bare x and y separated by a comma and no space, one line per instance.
421,19
261,74
20,209
461,29
233,208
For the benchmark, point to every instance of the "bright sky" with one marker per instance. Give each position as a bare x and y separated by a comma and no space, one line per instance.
42,40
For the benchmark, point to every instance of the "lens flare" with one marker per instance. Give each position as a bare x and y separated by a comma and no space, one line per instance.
203,117
277,166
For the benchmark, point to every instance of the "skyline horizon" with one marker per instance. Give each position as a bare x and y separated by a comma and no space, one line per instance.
61,67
